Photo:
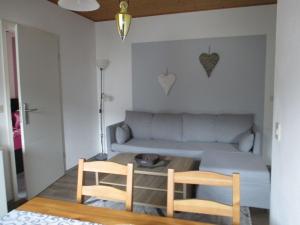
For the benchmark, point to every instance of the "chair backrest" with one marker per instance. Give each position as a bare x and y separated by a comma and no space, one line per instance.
204,206
105,192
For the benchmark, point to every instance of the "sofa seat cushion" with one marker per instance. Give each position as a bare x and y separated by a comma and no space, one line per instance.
252,168
163,147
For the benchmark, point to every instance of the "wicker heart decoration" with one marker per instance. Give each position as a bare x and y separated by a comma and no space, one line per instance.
167,81
209,61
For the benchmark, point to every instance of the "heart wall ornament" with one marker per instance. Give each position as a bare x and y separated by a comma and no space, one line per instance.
209,61
167,81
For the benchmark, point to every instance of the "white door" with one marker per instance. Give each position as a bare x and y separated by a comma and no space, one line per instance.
40,106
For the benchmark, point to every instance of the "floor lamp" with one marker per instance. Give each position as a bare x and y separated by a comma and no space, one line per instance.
102,64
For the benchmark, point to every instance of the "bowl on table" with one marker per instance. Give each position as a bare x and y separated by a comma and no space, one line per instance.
147,160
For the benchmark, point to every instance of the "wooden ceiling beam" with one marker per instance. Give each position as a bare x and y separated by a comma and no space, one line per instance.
142,8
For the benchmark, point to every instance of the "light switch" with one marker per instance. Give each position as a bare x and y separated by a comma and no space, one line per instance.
278,131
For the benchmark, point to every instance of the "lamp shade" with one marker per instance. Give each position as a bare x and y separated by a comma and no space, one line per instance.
123,20
102,63
79,5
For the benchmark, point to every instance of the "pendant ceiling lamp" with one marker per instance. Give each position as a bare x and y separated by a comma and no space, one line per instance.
123,20
79,5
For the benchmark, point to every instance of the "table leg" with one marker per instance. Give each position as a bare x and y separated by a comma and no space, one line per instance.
97,178
187,191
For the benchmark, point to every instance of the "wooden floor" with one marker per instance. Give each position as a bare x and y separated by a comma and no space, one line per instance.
65,189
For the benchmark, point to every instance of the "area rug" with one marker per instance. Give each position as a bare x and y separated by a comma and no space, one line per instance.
245,212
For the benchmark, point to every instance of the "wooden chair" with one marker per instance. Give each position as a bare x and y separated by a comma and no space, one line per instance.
105,192
204,206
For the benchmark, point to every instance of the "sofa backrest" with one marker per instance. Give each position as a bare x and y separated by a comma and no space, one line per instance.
224,128
230,127
199,127
167,127
139,124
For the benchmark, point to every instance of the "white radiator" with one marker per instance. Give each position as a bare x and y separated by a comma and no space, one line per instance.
3,200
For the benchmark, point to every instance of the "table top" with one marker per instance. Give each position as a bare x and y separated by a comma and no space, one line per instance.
103,216
179,164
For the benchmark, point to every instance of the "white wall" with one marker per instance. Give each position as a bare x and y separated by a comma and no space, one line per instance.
78,70
285,195
240,70
216,23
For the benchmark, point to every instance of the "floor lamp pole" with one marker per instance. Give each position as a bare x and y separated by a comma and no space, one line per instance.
101,156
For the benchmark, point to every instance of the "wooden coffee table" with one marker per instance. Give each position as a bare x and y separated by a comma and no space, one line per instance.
150,184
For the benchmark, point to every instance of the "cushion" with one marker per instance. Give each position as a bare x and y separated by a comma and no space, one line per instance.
229,128
246,142
167,127
122,134
199,127
139,124
163,147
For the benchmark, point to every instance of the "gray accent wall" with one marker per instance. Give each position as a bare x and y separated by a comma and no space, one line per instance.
235,86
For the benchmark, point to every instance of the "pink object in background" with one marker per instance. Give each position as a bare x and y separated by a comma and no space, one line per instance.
16,120
17,131
17,140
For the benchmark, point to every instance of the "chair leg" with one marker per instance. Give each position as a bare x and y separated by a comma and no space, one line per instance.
170,196
80,180
236,199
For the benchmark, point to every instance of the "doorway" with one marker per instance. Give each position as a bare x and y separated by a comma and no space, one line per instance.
32,107
14,97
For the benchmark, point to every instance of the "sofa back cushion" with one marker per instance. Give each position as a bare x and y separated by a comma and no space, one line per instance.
139,124
199,127
167,126
225,128
229,128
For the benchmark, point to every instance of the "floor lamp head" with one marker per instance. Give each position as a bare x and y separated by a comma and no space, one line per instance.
102,64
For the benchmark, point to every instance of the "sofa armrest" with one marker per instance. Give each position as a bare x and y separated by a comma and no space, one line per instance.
257,141
111,135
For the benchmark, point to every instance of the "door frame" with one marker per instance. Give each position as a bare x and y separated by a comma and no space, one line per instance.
7,25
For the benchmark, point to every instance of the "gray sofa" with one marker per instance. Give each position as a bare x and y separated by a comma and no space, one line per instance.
213,139
183,134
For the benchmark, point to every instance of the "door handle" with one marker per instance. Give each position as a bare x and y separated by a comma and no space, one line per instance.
26,111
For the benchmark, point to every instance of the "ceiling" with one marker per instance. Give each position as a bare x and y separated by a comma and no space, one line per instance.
140,8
